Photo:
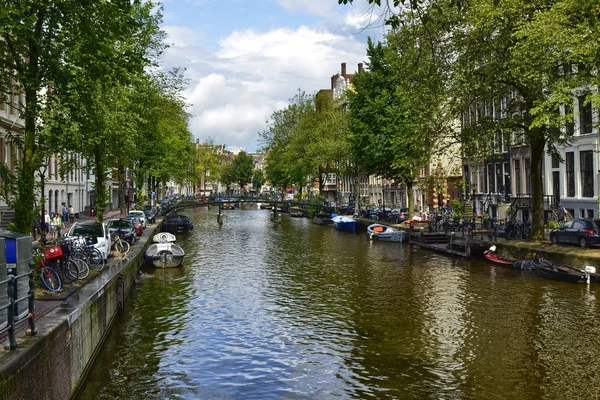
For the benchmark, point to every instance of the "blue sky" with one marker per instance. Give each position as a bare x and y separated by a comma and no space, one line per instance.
245,58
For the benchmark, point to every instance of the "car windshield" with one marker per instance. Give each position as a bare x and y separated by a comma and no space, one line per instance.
119,224
136,213
132,218
87,230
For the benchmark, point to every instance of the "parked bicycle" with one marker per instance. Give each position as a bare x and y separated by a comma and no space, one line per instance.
82,248
48,275
119,244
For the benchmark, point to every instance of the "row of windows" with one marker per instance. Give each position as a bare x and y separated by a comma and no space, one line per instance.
586,174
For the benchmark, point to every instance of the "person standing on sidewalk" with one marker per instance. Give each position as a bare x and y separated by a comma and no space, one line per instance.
46,222
71,214
64,212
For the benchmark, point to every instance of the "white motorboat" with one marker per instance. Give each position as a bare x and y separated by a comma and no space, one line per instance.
164,253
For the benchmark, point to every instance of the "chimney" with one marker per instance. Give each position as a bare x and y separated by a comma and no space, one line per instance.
343,69
360,68
333,79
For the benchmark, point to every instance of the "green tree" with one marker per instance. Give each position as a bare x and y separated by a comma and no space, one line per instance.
243,165
258,179
505,49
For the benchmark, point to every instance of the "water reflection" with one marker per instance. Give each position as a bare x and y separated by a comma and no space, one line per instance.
295,310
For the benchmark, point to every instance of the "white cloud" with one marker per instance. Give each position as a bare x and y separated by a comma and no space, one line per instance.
315,7
234,90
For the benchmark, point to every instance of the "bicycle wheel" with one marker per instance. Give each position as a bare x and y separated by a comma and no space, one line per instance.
50,279
71,269
95,259
82,268
122,247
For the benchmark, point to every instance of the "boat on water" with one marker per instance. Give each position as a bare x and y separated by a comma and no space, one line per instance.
560,272
507,262
296,214
164,253
385,233
344,223
322,219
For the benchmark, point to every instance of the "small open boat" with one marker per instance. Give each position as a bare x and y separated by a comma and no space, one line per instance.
385,233
163,252
497,259
560,272
344,223
508,262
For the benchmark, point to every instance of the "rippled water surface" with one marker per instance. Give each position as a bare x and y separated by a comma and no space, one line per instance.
295,310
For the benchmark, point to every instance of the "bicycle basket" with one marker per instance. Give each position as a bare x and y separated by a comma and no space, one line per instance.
53,252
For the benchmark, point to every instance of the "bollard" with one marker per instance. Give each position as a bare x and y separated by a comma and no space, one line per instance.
12,342
32,331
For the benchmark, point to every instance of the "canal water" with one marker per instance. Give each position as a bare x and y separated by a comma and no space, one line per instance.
300,311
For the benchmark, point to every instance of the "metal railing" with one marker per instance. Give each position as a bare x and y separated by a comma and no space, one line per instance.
11,319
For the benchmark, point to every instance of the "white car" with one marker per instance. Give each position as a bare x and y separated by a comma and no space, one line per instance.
97,231
141,215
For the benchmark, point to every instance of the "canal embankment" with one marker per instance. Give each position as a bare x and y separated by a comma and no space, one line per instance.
53,363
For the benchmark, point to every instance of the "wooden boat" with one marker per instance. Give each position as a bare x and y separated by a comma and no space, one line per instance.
385,233
164,253
296,214
344,223
560,272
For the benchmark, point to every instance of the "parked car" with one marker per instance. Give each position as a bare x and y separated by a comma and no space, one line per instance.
151,212
347,209
123,227
382,213
583,232
398,215
140,214
177,223
137,224
96,231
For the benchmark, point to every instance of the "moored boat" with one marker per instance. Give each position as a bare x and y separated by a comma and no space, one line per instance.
508,262
163,252
560,272
344,223
385,233
322,219
497,259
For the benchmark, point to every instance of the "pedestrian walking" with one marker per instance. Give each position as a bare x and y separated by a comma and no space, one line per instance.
56,225
71,214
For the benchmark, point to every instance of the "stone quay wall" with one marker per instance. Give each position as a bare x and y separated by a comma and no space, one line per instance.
53,364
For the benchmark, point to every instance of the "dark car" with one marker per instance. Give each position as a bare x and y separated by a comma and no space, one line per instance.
577,231
124,227
347,209
382,213
150,213
398,215
177,223
137,224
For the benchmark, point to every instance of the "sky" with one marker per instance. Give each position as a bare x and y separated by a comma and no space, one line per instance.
244,59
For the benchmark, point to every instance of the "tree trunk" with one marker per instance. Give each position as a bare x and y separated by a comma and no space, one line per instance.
409,197
101,192
537,186
122,188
